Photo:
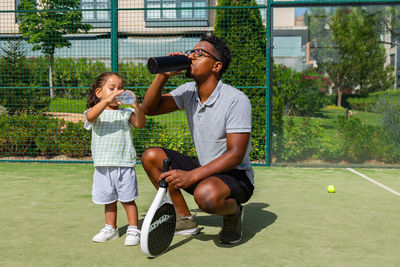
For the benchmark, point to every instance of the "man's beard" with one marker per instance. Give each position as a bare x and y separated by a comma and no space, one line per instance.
188,73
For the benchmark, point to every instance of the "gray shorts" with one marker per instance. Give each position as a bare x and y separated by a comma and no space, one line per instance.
114,183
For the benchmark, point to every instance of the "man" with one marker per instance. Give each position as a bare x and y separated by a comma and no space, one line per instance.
219,117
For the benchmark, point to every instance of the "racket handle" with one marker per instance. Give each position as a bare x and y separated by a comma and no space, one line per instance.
165,167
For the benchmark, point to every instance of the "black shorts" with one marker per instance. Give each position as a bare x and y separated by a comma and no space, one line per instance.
237,180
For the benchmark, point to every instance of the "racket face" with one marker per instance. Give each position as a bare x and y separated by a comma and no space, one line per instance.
161,230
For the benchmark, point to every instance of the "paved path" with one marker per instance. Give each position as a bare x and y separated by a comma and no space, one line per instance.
73,117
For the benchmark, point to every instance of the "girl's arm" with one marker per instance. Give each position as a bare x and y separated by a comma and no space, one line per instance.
137,118
97,109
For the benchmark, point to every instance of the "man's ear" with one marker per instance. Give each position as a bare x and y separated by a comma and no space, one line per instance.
217,66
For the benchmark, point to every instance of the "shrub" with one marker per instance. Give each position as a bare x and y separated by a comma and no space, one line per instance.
331,152
369,102
75,140
3,111
390,108
47,138
302,139
361,142
156,134
303,93
362,104
17,135
334,107
277,126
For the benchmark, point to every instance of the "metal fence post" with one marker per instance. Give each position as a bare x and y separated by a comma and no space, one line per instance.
268,95
114,35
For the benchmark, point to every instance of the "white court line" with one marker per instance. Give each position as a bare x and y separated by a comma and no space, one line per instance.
374,182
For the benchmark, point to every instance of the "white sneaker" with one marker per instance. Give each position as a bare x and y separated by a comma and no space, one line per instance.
132,237
105,234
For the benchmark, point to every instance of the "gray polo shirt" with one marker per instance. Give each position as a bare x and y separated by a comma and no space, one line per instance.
227,110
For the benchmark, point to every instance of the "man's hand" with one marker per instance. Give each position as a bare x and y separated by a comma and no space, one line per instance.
178,178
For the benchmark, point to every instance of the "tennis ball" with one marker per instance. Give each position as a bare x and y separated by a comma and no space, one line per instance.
331,188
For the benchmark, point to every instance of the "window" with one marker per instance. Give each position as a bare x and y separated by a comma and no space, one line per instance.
392,59
398,82
100,18
174,13
393,41
398,58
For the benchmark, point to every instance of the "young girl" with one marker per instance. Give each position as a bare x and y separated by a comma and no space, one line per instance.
114,156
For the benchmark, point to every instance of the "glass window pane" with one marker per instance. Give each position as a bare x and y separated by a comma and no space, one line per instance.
153,14
102,15
200,13
169,13
186,13
87,15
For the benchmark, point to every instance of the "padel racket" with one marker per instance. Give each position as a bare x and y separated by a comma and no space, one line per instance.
158,227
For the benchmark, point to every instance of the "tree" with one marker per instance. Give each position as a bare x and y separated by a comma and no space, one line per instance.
47,30
22,93
350,50
243,31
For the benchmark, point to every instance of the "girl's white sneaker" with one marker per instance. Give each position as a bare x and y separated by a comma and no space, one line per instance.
105,234
132,237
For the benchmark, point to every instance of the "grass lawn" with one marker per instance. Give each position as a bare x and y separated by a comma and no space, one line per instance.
49,220
327,117
67,105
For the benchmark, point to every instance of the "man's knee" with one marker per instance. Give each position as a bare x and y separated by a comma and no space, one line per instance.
207,199
150,156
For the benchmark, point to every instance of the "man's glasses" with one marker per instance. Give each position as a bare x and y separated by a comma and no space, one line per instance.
200,53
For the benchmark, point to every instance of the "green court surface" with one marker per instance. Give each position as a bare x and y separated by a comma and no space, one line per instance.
48,219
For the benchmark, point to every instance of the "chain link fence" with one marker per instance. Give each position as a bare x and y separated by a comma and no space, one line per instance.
286,56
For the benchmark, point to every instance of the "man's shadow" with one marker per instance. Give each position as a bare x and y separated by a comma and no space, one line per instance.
255,219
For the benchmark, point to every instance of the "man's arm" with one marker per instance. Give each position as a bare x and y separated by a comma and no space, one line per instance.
154,103
236,150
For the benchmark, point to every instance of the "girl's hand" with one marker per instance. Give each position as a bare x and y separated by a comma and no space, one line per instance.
111,98
137,119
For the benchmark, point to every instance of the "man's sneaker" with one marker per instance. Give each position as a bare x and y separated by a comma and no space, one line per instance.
186,225
105,234
232,230
132,237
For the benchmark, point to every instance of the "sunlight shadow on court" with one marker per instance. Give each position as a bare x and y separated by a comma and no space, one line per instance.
122,230
256,218
180,243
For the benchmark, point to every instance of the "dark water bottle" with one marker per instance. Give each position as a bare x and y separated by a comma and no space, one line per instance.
166,64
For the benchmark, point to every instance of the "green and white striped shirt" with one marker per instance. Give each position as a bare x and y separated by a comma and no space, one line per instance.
112,143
